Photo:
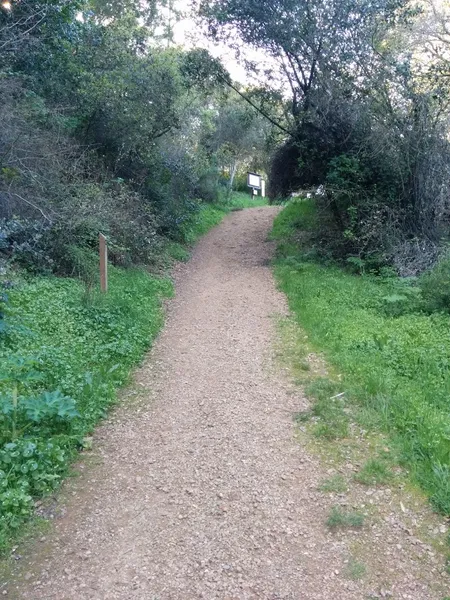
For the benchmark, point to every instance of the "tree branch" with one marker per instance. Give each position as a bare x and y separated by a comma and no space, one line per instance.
262,112
34,206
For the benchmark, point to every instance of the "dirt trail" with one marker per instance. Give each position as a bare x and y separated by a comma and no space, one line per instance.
199,489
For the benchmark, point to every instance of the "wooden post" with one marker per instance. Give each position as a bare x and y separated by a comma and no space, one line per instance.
263,188
103,264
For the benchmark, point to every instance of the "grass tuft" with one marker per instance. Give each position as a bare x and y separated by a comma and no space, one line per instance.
335,484
303,416
374,472
342,519
355,570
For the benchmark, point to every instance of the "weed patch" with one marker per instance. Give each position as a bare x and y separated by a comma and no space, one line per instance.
374,472
303,417
62,361
355,570
329,409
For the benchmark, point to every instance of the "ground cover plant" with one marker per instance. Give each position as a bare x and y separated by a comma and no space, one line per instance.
386,342
64,352
61,362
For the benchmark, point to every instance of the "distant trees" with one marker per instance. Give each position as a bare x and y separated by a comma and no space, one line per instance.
368,118
238,137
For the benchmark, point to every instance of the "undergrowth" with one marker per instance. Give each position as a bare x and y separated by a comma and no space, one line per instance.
342,519
61,362
390,351
65,349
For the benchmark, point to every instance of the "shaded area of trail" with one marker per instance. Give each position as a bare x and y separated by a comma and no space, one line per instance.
197,487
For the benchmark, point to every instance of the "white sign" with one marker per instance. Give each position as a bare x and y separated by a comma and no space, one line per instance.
254,181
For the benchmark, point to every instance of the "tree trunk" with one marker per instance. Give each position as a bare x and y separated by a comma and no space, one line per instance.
233,171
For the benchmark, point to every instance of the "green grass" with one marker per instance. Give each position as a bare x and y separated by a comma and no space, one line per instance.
355,570
329,407
334,485
62,359
394,369
201,222
344,519
374,472
58,341
240,200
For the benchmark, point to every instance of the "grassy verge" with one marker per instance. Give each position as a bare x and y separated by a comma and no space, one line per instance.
63,356
392,372
61,362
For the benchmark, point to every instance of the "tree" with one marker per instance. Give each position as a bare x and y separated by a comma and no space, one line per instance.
367,124
315,44
238,137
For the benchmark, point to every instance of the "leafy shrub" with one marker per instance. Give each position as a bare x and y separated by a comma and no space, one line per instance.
47,410
21,241
3,303
29,467
240,183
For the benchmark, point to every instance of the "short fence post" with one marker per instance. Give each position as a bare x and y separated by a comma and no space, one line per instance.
103,264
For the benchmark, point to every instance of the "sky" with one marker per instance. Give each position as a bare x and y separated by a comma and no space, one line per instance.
186,34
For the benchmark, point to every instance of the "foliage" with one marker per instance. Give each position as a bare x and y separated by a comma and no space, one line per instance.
329,408
80,352
3,304
367,121
355,569
335,484
239,138
435,286
62,362
104,128
374,472
394,367
19,413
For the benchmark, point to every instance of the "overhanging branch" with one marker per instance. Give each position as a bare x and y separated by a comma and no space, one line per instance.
255,106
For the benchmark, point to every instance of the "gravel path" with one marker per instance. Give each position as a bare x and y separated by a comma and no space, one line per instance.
198,488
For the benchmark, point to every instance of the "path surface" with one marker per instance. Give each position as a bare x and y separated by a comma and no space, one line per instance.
199,489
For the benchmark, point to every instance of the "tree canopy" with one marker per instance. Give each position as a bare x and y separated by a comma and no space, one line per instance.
368,116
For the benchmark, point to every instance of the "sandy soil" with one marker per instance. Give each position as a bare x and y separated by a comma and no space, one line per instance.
198,487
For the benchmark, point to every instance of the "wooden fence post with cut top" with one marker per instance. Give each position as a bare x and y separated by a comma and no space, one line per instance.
103,264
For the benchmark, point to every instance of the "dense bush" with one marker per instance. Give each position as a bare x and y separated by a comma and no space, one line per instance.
103,128
366,123
383,208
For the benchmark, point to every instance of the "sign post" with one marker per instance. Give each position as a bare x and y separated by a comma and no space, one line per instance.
103,264
263,188
254,183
